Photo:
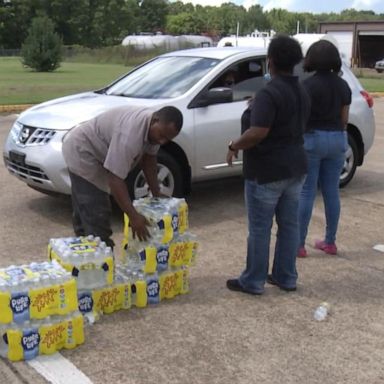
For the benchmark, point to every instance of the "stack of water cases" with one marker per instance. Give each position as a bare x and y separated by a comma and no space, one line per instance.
38,311
159,268
149,271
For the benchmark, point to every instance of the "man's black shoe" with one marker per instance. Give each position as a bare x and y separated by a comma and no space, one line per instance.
271,280
234,285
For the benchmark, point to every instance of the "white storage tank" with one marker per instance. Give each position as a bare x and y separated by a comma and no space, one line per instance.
244,41
151,41
167,41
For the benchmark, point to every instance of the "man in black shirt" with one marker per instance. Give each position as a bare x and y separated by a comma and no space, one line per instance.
274,169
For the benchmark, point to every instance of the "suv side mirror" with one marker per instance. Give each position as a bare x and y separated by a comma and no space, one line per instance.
217,95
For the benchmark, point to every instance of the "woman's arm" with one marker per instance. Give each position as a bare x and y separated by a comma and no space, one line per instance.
344,115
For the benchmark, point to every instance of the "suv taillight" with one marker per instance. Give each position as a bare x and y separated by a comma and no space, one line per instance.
368,98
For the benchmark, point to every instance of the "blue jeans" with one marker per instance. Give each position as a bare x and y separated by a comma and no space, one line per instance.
264,201
326,155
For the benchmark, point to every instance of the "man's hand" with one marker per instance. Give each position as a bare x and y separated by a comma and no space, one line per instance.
137,222
139,228
160,194
231,155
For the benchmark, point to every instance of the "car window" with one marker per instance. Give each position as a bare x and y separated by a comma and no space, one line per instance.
248,78
164,77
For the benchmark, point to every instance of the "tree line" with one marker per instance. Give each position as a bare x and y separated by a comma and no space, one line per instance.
97,23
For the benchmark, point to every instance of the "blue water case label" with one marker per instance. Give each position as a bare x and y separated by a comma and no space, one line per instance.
153,291
85,302
162,256
175,223
20,303
30,342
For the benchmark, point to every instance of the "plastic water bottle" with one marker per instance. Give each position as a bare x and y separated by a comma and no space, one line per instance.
321,311
133,257
4,287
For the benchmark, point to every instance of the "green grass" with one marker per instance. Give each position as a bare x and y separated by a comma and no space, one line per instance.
370,79
372,85
20,85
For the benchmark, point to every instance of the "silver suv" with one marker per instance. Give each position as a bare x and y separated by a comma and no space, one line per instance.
191,80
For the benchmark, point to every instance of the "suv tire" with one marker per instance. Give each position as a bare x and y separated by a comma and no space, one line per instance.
350,163
169,173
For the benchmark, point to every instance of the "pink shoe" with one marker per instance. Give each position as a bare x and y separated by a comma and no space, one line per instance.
302,252
331,249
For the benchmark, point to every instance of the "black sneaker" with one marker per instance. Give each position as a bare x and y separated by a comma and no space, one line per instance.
272,281
234,285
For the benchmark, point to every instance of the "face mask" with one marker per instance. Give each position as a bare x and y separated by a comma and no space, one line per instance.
267,77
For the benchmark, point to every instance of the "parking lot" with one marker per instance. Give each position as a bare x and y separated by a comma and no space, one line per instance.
213,335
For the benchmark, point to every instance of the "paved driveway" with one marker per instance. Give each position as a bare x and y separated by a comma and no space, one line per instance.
213,335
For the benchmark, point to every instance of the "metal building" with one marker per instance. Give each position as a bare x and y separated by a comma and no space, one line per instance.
360,42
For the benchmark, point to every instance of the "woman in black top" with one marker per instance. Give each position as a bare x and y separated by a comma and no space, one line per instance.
274,169
325,140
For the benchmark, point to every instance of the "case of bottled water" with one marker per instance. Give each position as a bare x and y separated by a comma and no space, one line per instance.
32,338
35,291
168,217
128,289
88,259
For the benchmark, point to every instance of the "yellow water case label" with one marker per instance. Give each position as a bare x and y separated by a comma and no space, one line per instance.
108,300
127,296
177,253
150,265
109,278
68,297
70,339
187,256
194,252
15,349
54,300
52,337
183,217
75,332
44,301
167,282
179,282
6,315
141,294
78,329
168,230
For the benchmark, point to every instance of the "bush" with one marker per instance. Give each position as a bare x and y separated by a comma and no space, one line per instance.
42,47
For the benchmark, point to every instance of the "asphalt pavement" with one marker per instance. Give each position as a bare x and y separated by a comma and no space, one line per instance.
213,335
